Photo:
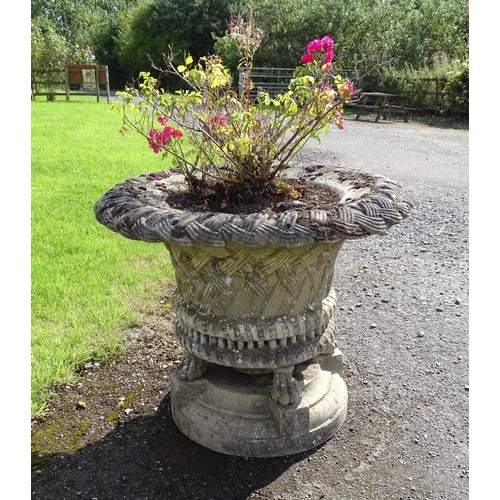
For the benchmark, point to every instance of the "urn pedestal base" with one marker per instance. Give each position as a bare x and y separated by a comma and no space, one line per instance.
231,412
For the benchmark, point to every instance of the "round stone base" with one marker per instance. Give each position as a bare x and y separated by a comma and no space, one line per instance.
231,412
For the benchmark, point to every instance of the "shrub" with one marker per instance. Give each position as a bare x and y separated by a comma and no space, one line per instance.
456,89
50,52
236,140
426,86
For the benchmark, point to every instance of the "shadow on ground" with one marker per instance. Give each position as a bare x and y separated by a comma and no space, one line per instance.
148,457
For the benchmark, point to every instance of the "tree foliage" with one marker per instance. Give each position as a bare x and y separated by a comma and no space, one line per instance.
125,34
150,29
366,32
50,52
76,21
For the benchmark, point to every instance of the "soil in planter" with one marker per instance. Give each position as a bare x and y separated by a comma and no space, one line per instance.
273,198
276,196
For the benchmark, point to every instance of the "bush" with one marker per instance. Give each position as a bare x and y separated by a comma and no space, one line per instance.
456,89
50,52
151,29
441,84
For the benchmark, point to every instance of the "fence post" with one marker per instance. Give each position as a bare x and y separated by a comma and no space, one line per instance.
66,81
96,75
106,75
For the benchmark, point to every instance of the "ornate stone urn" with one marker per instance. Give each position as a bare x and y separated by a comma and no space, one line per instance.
255,306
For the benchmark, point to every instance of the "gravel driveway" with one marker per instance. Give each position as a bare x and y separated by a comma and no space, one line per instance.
402,327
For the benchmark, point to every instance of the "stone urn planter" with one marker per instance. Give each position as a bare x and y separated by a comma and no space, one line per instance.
255,306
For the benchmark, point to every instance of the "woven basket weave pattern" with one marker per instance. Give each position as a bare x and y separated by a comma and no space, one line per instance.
267,282
138,208
254,290
255,307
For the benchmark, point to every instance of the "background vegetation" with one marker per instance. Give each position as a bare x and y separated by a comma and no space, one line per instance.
124,34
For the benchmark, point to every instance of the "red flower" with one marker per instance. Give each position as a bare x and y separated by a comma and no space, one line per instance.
162,121
159,138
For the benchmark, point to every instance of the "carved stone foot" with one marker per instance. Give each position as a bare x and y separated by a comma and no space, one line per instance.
191,367
285,388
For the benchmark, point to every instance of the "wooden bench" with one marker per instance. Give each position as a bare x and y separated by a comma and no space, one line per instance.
382,103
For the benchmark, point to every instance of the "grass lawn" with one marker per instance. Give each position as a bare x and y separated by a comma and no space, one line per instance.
87,283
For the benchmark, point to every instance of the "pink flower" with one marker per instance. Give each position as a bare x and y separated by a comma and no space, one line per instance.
328,92
339,120
154,147
314,46
162,121
159,138
346,90
218,121
325,45
328,48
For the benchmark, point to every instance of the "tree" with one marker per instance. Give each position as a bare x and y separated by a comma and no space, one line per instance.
151,28
49,54
366,32
432,27
289,26
126,34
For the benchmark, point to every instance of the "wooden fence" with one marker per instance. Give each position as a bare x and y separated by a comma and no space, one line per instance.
74,79
426,94
436,94
274,80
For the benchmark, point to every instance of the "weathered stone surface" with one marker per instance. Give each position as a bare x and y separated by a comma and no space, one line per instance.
233,413
255,307
137,208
